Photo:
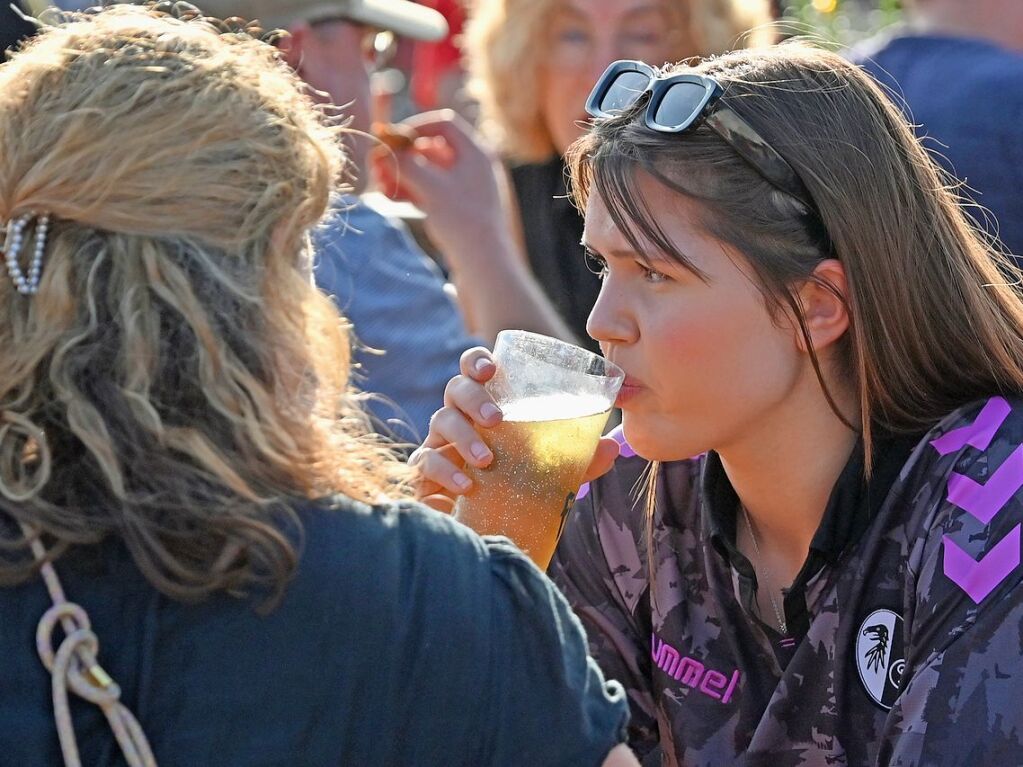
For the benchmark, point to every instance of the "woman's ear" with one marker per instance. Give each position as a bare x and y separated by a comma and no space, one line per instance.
824,301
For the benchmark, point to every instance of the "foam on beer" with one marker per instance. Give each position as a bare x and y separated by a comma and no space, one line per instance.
553,407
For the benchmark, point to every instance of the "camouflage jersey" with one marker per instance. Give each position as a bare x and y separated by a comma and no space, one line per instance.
905,624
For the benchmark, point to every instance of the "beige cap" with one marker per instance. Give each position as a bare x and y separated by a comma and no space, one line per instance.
399,16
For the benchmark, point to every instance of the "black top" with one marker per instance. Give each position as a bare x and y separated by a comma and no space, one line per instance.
13,28
553,229
404,639
911,652
854,502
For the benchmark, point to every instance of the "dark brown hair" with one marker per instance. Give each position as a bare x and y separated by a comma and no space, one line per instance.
936,317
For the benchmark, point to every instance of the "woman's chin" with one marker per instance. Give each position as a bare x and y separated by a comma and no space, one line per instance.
655,442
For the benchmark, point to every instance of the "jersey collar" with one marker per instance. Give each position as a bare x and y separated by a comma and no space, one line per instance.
854,502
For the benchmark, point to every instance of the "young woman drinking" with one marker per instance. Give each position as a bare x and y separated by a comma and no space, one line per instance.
799,303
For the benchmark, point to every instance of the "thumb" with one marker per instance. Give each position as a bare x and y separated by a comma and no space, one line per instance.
418,173
445,123
603,459
405,175
450,128
385,174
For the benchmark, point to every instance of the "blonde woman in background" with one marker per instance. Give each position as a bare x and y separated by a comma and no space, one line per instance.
180,457
531,64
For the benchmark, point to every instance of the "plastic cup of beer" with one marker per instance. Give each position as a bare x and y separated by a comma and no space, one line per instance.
556,399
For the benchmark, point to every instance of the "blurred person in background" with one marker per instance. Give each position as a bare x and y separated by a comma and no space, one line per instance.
380,278
532,63
181,458
956,69
438,78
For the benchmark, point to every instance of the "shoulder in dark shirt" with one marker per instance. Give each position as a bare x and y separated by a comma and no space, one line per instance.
552,229
404,638
965,100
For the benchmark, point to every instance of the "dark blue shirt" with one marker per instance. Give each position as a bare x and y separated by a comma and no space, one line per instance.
404,639
965,98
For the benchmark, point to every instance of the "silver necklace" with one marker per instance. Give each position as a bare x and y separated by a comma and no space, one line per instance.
763,567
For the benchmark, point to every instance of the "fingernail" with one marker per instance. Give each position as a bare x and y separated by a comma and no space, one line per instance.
461,480
482,364
488,410
479,450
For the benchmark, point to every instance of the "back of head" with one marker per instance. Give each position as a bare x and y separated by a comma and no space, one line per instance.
177,379
935,322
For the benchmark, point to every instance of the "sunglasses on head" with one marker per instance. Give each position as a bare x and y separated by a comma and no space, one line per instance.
678,102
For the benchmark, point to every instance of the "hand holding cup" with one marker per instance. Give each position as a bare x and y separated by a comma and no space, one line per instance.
518,433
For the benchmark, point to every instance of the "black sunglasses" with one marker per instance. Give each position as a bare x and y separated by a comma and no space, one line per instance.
678,102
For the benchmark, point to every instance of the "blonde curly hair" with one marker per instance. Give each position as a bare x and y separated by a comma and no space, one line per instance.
178,382
504,42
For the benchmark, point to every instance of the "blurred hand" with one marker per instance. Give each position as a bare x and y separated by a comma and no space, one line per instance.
454,439
450,176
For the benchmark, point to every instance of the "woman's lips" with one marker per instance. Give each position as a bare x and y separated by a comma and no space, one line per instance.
630,388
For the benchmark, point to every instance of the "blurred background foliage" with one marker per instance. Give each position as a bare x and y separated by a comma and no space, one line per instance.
842,21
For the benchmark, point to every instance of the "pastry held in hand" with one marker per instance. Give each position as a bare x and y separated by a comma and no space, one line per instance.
395,136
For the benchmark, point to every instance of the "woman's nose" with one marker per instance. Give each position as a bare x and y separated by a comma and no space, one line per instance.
605,50
610,320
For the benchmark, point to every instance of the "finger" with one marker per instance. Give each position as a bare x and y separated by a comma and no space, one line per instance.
452,128
438,474
386,175
423,485
471,400
445,123
434,150
452,426
439,502
477,363
436,439
414,174
603,459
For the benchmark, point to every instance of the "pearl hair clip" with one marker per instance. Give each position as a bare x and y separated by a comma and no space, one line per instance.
26,285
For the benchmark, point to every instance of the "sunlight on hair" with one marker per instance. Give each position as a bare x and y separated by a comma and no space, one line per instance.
188,378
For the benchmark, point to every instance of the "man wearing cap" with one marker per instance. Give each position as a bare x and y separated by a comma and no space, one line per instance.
382,281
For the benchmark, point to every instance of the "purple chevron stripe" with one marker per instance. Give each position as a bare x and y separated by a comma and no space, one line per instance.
979,433
985,501
978,578
618,435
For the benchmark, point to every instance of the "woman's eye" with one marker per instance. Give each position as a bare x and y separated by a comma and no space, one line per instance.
571,36
652,275
596,264
646,38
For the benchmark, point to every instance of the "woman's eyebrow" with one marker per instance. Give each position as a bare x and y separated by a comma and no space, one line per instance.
569,10
612,252
647,259
643,10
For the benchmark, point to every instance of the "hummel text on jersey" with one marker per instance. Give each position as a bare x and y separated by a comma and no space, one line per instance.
691,672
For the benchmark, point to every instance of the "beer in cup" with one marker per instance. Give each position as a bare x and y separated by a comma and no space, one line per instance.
556,399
